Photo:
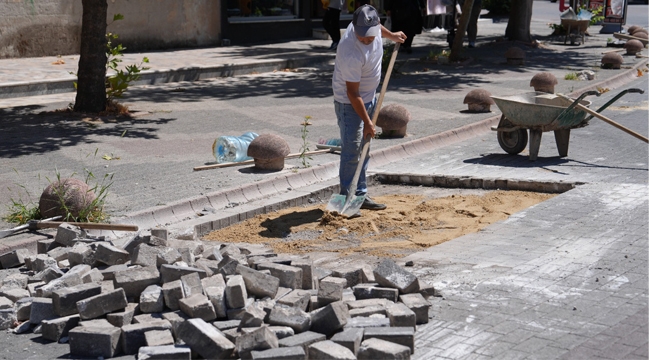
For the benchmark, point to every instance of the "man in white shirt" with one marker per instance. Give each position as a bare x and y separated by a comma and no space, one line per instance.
357,73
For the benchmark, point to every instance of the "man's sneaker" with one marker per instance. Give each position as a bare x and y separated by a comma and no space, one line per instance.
334,46
368,204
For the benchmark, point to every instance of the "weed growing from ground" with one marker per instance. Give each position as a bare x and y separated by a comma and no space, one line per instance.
304,132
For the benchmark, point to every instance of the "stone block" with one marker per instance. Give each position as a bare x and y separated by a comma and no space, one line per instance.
187,255
211,267
47,275
282,291
292,317
321,273
171,273
198,306
65,300
370,291
90,341
400,315
282,331
95,323
41,309
137,239
147,318
389,274
159,337
165,352
6,303
157,241
55,329
257,283
176,318
23,308
172,293
330,289
14,294
399,335
282,353
160,232
260,339
15,281
81,253
427,289
419,305
307,266
167,256
296,298
350,338
217,296
107,285
353,275
7,318
110,271
206,340
330,319
124,317
71,278
111,255
329,350
367,322
375,348
145,255
67,234
151,300
357,304
43,246
302,340
236,292
133,335
226,324
93,276
192,284
102,304
42,262
59,253
253,316
367,311
289,276
134,281
228,265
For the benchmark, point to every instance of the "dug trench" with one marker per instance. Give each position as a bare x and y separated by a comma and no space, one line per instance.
416,217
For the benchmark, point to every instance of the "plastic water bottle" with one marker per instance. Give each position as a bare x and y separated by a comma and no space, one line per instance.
330,142
232,148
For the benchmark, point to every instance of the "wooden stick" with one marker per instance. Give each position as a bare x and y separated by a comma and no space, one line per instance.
612,51
641,56
248,162
630,37
86,225
607,120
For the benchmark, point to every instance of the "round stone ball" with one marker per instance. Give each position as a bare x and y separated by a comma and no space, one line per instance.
612,61
633,46
639,31
478,100
515,56
544,82
268,151
633,28
71,194
641,35
393,120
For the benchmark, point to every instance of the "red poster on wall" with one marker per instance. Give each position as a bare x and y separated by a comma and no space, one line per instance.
615,12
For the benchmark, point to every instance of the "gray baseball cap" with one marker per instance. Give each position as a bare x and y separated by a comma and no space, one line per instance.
366,21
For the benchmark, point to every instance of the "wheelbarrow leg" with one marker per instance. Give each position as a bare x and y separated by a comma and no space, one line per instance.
562,141
535,141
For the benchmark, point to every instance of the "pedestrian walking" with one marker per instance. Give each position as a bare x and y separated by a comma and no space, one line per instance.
331,20
357,73
472,25
406,16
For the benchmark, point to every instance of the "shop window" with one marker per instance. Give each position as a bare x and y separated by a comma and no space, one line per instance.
259,9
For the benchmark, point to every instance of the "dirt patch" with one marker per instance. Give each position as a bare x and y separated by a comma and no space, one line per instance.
415,219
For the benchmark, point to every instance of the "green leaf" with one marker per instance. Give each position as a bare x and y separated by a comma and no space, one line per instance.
117,17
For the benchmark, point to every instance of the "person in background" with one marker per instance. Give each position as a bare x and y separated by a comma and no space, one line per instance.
331,20
472,25
405,16
357,72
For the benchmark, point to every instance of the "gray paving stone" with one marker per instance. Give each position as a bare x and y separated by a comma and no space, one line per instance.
93,341
166,352
134,281
65,300
205,339
389,274
329,350
282,353
55,329
289,276
329,319
159,337
350,338
198,306
257,283
295,318
302,340
259,339
375,348
151,299
102,304
400,335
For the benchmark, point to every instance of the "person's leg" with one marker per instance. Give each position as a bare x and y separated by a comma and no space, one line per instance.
328,23
472,27
335,26
351,130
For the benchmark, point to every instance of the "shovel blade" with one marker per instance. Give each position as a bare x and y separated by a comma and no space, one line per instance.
345,205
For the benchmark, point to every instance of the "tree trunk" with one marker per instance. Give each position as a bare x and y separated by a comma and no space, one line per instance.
521,13
460,32
91,86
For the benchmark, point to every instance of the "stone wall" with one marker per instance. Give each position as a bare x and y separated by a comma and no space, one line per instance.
30,28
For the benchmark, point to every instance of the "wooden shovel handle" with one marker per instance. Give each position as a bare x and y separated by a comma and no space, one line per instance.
85,225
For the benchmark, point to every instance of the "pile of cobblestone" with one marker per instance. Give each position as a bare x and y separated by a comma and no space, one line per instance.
169,298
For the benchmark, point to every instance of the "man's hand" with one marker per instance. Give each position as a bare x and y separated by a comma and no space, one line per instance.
398,37
368,131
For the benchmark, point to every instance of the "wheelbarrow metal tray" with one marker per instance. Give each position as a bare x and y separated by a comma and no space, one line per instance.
541,111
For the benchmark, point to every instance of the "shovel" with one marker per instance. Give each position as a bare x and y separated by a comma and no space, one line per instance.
47,224
350,204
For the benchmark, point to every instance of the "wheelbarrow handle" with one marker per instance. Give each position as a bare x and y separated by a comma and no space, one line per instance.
576,102
618,96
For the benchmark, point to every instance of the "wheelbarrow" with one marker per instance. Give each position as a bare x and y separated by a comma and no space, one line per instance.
539,112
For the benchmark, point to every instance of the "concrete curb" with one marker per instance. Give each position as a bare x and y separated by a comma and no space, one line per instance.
151,77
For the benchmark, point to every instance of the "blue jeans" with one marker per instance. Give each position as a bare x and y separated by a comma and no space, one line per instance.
351,128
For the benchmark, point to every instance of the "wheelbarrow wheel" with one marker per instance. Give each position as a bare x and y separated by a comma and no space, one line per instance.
513,142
